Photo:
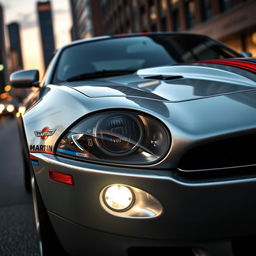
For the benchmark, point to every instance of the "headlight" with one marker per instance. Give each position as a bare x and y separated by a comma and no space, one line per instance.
10,108
2,107
22,109
120,137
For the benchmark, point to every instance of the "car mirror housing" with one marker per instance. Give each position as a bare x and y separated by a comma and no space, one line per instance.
25,78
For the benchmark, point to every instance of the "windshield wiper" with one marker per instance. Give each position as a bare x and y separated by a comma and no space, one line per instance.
102,73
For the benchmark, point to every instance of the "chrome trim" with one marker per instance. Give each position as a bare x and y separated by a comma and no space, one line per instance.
218,169
44,157
74,138
37,222
35,204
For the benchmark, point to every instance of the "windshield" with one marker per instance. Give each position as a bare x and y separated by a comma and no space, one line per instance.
116,55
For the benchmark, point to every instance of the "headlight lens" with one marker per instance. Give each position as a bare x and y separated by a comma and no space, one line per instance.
120,137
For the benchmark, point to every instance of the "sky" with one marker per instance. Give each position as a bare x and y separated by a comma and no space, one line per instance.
24,12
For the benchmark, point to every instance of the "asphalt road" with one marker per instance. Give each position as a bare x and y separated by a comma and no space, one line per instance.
18,235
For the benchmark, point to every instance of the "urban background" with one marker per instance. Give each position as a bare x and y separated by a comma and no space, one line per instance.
230,21
31,30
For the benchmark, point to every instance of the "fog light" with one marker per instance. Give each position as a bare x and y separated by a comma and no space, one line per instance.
118,197
127,201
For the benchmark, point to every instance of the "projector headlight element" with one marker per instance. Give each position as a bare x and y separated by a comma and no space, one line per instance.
118,137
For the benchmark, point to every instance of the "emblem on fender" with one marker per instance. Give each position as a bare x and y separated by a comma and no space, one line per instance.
45,133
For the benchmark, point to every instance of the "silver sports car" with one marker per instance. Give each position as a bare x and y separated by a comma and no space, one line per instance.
142,143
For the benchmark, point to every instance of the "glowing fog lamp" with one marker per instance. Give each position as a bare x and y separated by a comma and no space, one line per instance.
129,202
118,197
10,108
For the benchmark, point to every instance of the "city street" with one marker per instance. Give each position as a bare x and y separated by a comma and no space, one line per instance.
17,230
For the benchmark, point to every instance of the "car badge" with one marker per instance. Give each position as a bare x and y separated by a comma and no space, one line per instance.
45,133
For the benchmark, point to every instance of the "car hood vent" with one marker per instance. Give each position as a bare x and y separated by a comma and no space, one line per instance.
169,83
163,77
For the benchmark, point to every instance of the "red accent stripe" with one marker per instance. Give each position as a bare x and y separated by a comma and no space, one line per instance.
61,177
234,63
40,151
32,157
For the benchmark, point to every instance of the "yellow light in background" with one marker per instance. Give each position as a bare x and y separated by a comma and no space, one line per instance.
3,96
7,88
22,109
153,16
1,67
9,97
118,197
1,107
10,108
254,37
164,5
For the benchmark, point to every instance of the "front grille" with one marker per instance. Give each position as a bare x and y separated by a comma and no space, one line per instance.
164,251
230,152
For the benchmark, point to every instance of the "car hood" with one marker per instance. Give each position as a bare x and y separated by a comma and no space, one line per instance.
171,83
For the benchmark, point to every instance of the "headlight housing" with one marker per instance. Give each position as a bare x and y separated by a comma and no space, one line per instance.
118,137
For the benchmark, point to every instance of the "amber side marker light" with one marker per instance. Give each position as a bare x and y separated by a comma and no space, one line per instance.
61,177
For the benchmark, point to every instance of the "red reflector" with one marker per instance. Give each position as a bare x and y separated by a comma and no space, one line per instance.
61,177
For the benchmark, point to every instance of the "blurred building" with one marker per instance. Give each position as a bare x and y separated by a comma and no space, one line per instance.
231,21
3,64
15,47
46,28
86,18
75,18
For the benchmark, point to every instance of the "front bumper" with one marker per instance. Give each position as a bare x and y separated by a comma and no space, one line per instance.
193,212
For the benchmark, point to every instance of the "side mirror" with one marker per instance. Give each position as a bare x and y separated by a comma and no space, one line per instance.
25,78
246,54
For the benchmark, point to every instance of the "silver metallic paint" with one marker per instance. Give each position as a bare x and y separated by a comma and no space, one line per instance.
201,116
190,123
184,201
